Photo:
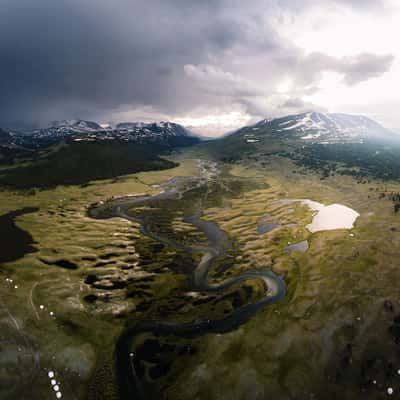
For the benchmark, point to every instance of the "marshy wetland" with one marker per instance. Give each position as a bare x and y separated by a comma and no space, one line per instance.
162,298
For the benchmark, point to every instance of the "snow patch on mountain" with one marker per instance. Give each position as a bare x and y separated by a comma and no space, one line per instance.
329,127
81,130
332,123
163,127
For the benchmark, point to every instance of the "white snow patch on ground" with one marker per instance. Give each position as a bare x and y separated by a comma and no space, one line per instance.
326,218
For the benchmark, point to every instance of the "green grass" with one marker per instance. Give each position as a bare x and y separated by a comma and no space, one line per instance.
74,338
289,350
297,346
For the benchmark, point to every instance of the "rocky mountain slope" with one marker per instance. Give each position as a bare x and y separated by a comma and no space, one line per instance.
318,127
161,133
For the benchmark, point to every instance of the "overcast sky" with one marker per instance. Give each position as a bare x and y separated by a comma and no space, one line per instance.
213,65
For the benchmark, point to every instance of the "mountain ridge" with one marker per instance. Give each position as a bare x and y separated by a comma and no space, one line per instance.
161,133
307,126
317,126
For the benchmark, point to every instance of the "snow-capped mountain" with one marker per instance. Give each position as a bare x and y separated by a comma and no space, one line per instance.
316,126
163,133
128,131
77,124
159,133
10,140
165,128
66,128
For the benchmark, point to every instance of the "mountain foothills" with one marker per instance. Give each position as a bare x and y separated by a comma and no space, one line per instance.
329,143
77,151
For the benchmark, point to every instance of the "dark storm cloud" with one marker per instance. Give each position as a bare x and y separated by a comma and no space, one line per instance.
86,58
63,58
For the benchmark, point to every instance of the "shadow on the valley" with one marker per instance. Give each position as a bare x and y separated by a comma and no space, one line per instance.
15,242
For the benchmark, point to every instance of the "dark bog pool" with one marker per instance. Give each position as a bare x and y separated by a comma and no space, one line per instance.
15,242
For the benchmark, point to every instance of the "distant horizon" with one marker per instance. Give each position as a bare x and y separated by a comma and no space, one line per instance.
205,132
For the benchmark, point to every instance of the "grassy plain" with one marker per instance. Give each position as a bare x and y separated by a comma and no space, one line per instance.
77,339
334,334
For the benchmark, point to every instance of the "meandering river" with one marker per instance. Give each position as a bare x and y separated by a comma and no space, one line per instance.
218,244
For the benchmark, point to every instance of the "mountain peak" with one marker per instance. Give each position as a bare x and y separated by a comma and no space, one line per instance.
320,127
166,127
77,124
329,123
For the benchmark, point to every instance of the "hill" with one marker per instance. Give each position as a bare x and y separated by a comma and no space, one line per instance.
330,143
